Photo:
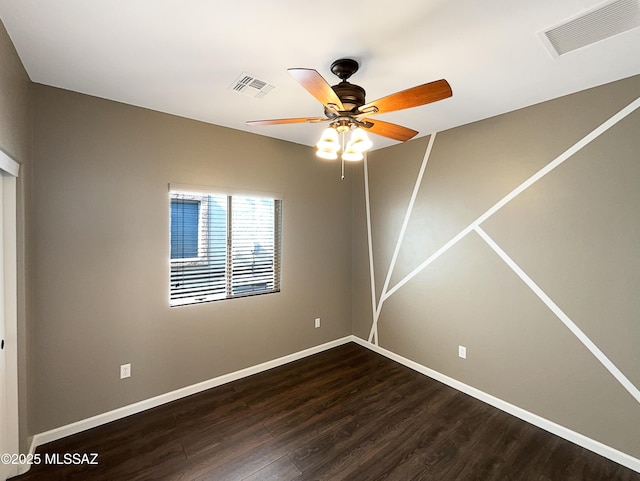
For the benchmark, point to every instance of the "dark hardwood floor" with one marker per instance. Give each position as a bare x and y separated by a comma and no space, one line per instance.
344,414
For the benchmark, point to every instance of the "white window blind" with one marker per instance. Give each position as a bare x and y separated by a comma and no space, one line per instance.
223,246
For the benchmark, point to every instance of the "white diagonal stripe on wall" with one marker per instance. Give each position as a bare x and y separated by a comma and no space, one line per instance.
403,229
370,243
560,314
517,191
475,225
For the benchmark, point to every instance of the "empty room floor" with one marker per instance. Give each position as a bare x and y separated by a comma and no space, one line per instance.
344,414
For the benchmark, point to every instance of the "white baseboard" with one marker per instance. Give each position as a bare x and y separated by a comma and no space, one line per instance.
104,418
561,431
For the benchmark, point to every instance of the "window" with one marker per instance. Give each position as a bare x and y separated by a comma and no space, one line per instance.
223,246
189,226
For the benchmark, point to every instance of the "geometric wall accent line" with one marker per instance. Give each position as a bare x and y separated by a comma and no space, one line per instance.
613,375
374,327
403,229
475,226
560,314
518,190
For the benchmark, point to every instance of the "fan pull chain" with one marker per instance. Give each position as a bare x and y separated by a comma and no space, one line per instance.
342,157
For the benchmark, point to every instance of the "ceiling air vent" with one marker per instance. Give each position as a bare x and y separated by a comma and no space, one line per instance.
592,26
251,87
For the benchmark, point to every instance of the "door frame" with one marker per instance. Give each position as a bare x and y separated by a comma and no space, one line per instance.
9,170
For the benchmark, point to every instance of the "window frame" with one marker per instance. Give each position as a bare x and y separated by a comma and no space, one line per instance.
203,228
202,194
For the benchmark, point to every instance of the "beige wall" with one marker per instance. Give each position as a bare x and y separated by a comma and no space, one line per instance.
15,140
575,233
94,190
101,248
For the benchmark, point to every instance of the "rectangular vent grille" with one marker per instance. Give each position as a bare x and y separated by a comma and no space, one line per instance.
603,22
251,87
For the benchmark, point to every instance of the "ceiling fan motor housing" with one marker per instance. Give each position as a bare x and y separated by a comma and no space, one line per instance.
351,96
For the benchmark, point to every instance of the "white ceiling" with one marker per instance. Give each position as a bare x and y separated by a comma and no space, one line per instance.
181,56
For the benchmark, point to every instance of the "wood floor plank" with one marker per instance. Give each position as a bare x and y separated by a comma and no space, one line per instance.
343,414
506,434
283,469
349,395
436,453
348,455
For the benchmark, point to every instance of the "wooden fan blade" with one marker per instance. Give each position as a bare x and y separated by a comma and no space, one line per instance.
286,121
387,129
317,86
413,97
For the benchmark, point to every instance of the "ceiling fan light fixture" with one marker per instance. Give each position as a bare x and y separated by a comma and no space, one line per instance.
327,154
352,155
360,141
329,141
329,144
329,135
345,106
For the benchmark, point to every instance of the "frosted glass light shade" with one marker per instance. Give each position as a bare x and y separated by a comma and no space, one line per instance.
329,140
360,140
327,154
350,154
328,145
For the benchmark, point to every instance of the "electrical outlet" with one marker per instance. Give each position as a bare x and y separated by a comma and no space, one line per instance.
462,352
317,322
125,371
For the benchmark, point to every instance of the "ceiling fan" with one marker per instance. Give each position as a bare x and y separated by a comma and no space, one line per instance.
345,106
